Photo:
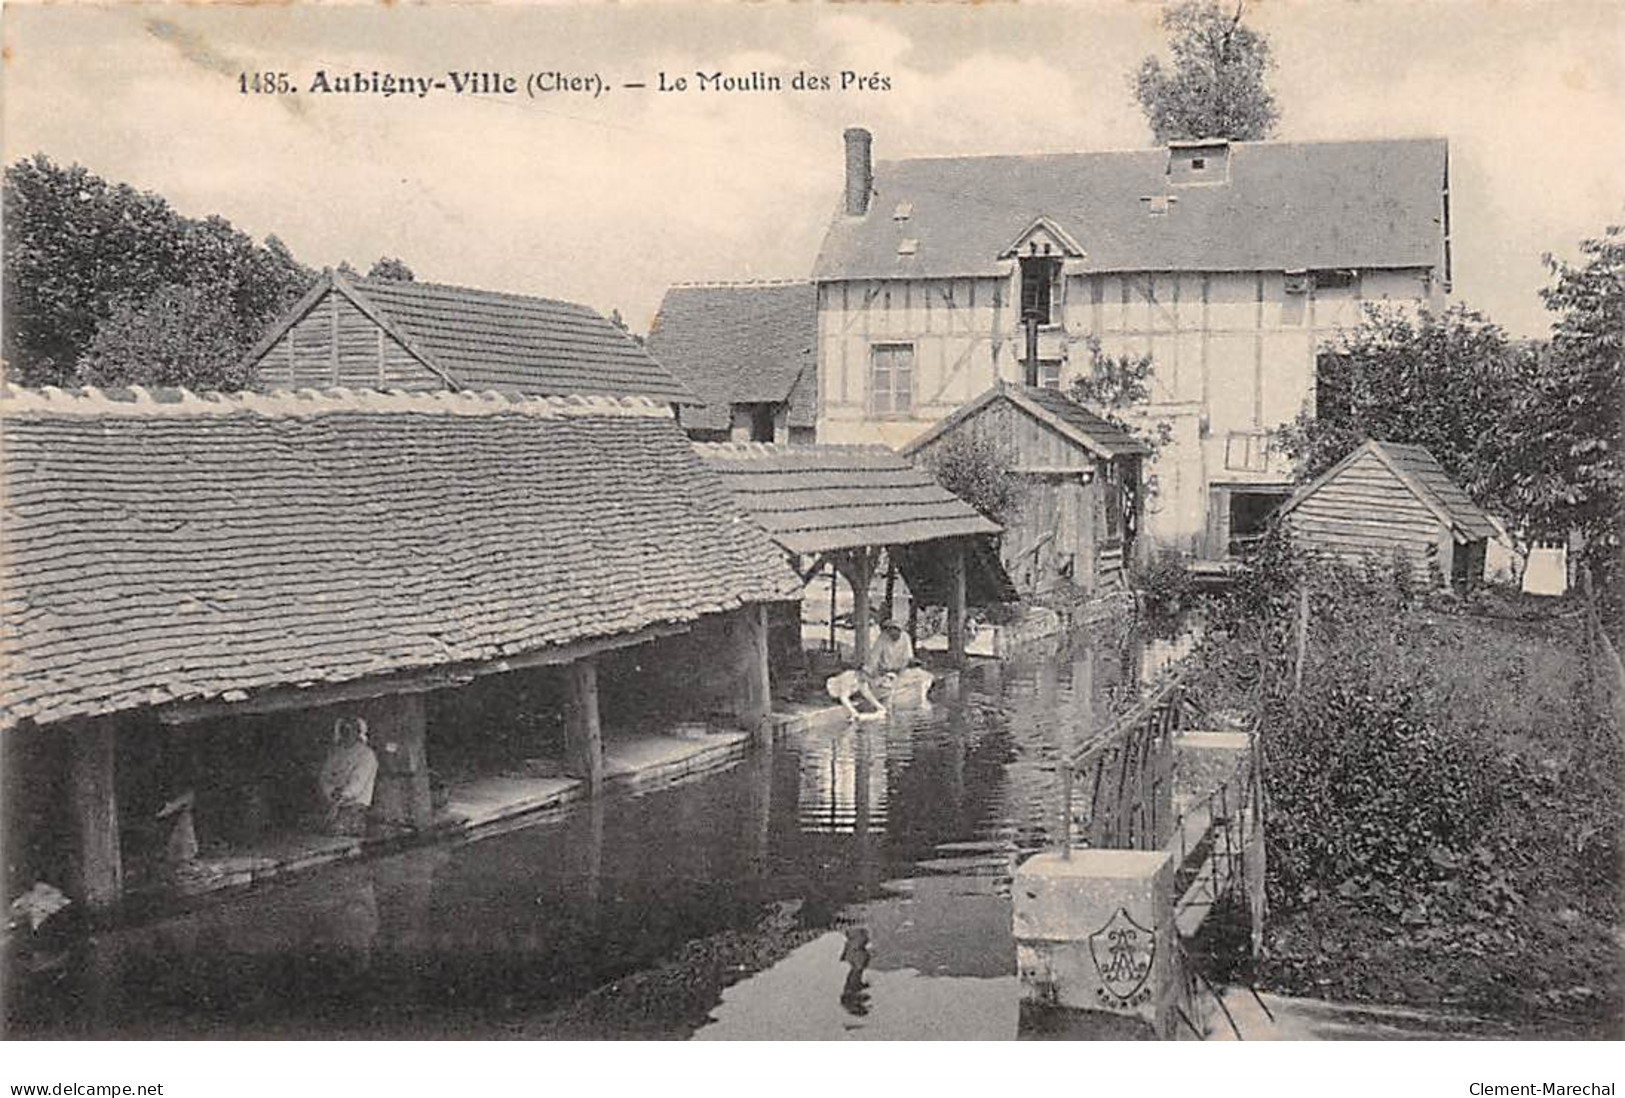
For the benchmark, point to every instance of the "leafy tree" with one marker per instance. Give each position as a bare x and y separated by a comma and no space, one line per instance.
1114,387
1215,87
980,470
1567,428
1448,381
180,335
390,269
79,250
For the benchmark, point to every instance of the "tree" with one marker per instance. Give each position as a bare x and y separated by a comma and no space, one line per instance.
180,335
390,269
1447,381
1567,426
980,470
79,249
1215,87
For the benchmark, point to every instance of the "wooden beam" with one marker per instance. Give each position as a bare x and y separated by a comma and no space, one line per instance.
754,699
98,867
956,601
583,735
282,698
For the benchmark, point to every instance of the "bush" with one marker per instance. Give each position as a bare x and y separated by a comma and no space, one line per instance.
979,470
1165,583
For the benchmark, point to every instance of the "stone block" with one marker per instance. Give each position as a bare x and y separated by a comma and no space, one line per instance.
1096,932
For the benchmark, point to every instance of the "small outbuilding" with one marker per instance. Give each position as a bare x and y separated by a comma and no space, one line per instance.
1389,499
1081,501
748,350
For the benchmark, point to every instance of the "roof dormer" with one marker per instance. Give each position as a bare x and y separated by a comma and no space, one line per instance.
1204,161
1043,239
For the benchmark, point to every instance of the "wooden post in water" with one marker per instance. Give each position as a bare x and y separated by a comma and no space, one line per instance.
755,697
956,602
582,733
99,871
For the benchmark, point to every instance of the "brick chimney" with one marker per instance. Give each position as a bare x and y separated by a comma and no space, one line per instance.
860,172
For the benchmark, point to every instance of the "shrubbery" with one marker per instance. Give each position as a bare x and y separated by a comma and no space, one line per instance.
1375,790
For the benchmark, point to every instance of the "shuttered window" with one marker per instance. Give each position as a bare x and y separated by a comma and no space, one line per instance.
891,379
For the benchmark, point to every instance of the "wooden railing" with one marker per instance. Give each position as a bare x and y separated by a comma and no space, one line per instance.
1124,775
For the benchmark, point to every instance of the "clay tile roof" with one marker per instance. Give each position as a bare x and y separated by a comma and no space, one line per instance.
1077,424
740,344
816,498
489,340
1283,206
174,546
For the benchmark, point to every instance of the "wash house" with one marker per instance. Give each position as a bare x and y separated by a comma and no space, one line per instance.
198,587
868,516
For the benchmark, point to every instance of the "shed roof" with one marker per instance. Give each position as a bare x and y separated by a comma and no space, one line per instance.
811,499
1419,471
740,344
1083,428
1283,206
164,546
481,339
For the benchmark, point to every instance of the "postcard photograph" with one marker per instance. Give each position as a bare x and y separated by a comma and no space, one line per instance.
690,521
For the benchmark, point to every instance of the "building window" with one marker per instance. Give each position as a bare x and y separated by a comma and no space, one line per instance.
1335,279
1247,452
1334,389
891,379
1049,373
1039,275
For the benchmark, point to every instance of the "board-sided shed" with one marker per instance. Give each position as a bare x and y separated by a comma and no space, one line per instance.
1081,500
420,336
844,505
1389,499
173,559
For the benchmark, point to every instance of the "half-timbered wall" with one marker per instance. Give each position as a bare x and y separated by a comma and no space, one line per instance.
1233,353
1367,510
336,344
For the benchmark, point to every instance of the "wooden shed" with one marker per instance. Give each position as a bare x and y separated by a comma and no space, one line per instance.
1081,508
1389,498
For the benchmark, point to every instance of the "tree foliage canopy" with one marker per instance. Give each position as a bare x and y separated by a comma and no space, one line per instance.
82,253
980,470
1569,420
1448,381
390,269
1215,86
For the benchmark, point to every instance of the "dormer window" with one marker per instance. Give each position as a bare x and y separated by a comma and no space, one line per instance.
1205,161
1039,277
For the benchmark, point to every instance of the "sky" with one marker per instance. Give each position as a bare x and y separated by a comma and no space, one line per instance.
607,200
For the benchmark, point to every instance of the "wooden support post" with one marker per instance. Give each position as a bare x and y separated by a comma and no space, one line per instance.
754,699
889,606
956,603
99,871
858,566
401,796
584,740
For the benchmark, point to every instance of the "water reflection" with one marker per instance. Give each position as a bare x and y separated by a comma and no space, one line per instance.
892,843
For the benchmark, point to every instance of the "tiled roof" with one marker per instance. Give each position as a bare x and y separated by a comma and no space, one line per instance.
483,340
1286,205
1051,407
1420,465
815,498
161,547
740,344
